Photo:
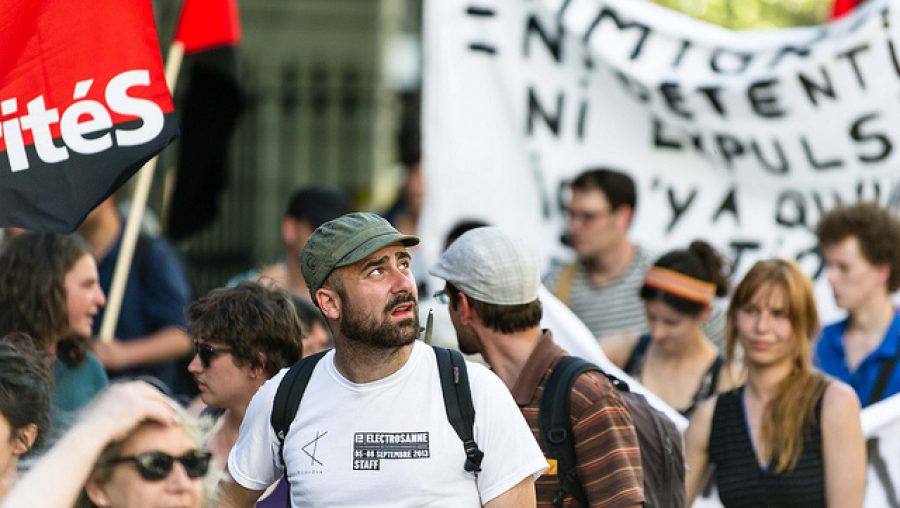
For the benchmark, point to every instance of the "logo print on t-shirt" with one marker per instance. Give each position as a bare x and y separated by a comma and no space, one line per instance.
369,448
314,444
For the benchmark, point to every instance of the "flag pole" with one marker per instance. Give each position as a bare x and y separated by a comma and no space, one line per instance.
135,215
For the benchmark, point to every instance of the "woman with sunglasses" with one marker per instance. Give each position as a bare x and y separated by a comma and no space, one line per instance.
50,291
790,436
675,359
133,447
243,336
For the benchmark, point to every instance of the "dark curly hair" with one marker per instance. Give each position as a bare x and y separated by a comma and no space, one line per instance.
33,268
699,261
25,386
876,229
251,319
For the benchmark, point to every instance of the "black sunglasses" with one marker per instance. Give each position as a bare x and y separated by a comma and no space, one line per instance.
207,352
155,466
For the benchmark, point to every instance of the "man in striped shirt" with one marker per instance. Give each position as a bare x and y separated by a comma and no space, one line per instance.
492,283
601,286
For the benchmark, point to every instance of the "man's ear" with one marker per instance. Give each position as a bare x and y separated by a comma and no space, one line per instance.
329,302
466,312
289,231
25,438
259,372
96,493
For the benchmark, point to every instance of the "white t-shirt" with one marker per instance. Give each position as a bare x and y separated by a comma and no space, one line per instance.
386,443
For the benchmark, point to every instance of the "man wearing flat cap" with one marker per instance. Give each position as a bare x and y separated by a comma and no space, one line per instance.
492,289
372,429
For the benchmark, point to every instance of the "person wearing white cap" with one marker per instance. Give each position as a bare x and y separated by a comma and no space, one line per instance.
492,282
372,428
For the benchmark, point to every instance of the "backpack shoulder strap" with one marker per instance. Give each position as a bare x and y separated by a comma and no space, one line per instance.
563,289
287,399
636,358
714,371
556,429
458,402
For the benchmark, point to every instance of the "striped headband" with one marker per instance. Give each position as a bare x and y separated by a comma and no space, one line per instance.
680,285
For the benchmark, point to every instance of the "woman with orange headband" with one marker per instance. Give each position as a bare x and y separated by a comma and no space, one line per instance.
675,360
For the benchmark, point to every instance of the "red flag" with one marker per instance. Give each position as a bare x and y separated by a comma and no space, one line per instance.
83,104
208,109
208,24
842,7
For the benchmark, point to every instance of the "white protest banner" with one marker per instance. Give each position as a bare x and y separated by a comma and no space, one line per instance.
740,138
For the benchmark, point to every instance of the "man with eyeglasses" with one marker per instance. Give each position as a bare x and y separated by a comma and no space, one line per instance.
372,428
601,286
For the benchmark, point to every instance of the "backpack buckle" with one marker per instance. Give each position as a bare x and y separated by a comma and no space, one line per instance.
557,435
473,457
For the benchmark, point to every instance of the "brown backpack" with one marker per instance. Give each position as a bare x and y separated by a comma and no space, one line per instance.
662,451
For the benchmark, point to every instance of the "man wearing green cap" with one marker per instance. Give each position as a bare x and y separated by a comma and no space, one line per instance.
372,429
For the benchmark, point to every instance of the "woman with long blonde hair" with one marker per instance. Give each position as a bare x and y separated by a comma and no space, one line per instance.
789,436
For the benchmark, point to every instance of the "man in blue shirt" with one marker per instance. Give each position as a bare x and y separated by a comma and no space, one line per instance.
150,337
861,246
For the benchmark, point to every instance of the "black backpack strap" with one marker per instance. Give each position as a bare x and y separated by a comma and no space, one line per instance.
884,375
287,401
458,402
556,428
636,358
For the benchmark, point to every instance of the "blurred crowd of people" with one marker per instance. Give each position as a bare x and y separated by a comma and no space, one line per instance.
176,407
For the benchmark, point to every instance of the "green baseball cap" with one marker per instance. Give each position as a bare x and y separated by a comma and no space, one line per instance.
346,240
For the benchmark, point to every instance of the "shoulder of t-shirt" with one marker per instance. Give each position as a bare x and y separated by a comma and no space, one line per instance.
483,380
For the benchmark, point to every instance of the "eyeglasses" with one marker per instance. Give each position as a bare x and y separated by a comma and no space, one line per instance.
441,296
586,217
207,352
155,466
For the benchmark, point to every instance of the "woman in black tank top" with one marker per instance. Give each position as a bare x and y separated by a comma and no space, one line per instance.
675,360
789,436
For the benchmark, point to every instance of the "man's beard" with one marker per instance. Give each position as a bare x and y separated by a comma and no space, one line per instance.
358,327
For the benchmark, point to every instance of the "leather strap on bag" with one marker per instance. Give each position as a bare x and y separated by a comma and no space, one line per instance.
563,289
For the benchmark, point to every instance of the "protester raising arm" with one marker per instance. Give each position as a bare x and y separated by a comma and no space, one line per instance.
67,465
